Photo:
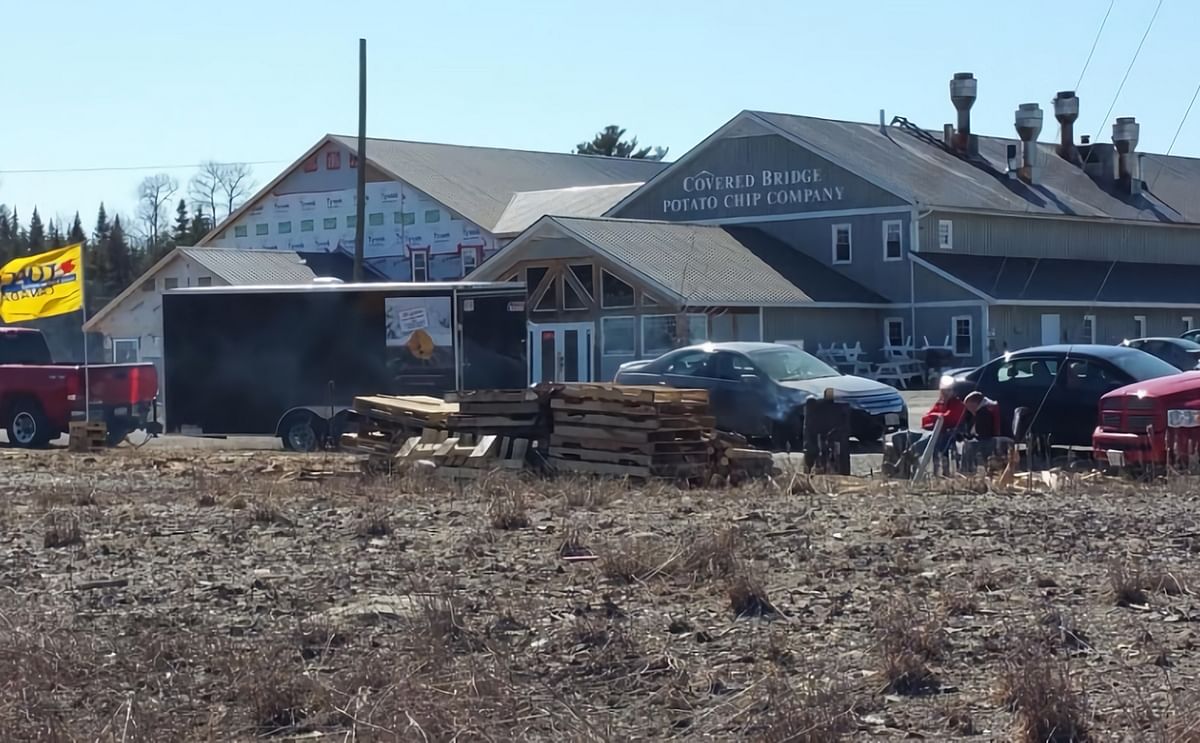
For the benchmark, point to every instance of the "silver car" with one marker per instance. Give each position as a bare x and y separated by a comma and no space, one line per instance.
759,389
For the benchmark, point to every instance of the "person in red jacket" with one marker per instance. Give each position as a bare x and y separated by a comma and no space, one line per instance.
913,443
948,407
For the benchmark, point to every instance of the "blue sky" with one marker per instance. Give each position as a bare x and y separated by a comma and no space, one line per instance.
128,84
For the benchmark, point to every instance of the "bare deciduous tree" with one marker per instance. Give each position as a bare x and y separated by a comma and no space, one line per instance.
205,189
219,188
154,193
236,185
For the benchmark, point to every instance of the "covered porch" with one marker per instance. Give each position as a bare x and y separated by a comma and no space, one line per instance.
603,292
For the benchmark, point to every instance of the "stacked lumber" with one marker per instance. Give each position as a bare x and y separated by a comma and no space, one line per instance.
385,422
465,456
501,412
735,461
630,431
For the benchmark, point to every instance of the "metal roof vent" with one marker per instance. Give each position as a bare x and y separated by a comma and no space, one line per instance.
1129,167
1066,110
963,91
1028,121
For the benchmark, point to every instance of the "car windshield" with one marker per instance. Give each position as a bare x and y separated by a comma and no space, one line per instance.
791,365
1142,366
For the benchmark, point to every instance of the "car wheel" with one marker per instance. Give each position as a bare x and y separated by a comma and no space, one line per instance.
302,432
27,425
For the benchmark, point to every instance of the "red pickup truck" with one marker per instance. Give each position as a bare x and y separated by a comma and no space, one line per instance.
39,398
1151,423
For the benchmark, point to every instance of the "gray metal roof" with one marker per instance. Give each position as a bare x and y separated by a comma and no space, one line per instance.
479,182
241,267
527,207
917,169
1070,280
709,265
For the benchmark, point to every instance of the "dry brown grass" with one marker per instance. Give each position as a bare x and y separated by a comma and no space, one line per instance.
1132,583
819,711
908,640
62,530
508,510
375,524
748,597
696,558
1047,706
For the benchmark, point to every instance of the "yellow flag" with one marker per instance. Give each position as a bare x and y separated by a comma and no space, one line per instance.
42,285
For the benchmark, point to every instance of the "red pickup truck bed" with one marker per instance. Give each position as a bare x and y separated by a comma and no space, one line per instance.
39,399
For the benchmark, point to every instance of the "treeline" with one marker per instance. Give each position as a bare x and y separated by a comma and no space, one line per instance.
113,257
117,250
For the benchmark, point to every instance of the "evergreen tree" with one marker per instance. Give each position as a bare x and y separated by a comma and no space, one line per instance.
118,261
37,233
199,228
76,235
55,235
611,142
183,225
7,236
20,237
103,227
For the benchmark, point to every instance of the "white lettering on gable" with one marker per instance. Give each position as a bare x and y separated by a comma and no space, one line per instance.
707,192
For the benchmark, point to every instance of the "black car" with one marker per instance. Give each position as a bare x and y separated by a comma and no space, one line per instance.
759,389
1181,353
1060,385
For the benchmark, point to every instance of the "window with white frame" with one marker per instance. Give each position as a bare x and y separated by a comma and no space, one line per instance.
945,234
842,248
962,335
1139,326
470,260
125,350
170,283
1089,328
893,240
893,331
1187,323
618,336
420,265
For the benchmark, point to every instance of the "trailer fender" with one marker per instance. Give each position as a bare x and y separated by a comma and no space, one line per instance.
321,412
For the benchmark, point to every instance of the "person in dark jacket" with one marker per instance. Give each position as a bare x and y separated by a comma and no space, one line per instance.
983,429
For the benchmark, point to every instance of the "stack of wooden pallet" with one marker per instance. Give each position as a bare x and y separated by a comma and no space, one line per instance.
735,461
465,456
628,431
511,413
386,422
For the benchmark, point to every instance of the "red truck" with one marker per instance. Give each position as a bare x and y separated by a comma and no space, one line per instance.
1150,424
39,398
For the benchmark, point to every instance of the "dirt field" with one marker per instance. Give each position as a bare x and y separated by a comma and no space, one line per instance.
194,595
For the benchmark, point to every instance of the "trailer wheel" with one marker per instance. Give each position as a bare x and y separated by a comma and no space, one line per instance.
27,425
302,431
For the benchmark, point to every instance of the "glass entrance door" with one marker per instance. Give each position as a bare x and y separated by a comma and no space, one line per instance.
560,352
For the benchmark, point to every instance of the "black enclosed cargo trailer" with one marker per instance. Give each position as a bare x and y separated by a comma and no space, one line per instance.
288,360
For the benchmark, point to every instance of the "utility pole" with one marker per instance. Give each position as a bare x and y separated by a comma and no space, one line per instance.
360,210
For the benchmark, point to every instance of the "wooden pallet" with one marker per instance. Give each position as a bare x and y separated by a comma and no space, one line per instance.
630,394
413,411
87,435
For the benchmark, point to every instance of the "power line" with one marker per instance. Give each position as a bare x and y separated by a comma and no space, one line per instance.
1129,69
116,168
1184,119
1095,41
1163,165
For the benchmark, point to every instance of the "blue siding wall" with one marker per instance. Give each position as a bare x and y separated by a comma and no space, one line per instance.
814,237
